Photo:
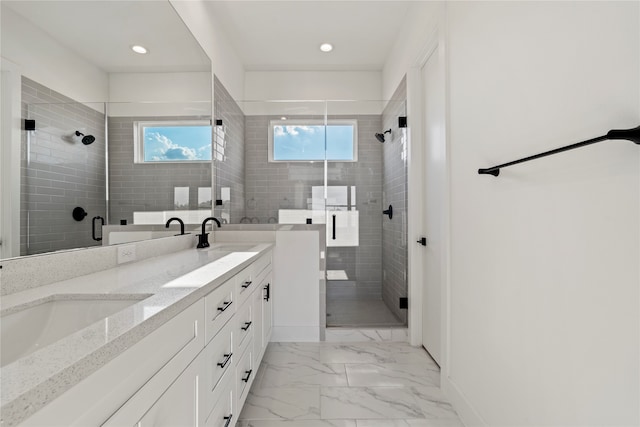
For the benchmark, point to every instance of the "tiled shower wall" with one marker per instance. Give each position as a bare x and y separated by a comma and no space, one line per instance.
58,172
147,186
394,231
229,153
287,185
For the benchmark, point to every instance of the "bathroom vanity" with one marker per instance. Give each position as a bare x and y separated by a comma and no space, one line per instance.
182,348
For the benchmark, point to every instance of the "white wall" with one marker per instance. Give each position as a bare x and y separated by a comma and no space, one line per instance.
545,259
44,60
362,86
419,27
201,21
160,94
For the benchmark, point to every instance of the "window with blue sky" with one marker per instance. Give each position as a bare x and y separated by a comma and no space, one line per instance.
186,141
305,141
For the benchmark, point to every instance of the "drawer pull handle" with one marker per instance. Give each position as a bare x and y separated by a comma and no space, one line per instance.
227,357
225,306
267,293
246,379
246,326
247,284
228,420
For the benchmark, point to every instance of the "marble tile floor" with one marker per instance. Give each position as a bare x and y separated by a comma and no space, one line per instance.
360,313
369,384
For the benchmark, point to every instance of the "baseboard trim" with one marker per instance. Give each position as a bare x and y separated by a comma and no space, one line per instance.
295,334
466,411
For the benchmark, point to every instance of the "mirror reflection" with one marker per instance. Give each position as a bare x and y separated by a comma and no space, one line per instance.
100,134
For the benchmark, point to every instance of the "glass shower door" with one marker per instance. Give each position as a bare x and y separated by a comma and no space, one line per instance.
360,291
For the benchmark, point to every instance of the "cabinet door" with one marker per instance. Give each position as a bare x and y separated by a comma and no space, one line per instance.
178,404
256,299
267,310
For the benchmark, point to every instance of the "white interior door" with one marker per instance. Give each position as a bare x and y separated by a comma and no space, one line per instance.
433,96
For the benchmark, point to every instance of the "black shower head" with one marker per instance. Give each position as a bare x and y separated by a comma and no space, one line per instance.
86,139
380,136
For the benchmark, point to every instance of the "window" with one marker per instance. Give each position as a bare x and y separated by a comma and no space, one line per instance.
172,141
305,140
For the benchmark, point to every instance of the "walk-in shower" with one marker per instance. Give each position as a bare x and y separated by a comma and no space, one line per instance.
324,165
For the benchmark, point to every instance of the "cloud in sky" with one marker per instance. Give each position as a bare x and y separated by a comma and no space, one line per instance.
293,130
159,147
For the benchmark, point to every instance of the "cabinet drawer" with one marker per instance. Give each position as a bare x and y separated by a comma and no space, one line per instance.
244,284
244,322
219,360
245,372
261,264
219,308
222,414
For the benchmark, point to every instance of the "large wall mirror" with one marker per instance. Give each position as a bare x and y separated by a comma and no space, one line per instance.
96,132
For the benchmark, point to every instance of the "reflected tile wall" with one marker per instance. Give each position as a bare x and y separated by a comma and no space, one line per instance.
147,187
62,172
394,232
230,166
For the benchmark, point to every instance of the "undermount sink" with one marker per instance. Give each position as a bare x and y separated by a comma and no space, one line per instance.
28,330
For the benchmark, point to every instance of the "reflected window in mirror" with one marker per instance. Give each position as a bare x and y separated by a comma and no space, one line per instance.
185,141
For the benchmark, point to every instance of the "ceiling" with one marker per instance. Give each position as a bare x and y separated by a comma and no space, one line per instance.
102,32
286,35
265,34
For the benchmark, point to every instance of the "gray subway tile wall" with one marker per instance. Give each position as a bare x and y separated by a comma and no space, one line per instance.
59,172
147,187
394,232
230,163
288,185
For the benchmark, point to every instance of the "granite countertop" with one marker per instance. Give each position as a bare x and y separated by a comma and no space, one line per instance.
165,284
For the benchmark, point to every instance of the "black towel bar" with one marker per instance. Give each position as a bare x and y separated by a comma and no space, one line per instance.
632,135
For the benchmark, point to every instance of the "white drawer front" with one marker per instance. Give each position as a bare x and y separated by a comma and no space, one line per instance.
245,284
219,359
261,264
222,413
244,327
245,372
220,307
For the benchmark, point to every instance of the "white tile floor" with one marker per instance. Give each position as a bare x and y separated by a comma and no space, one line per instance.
373,384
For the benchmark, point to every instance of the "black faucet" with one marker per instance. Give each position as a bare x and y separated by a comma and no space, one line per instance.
181,224
203,239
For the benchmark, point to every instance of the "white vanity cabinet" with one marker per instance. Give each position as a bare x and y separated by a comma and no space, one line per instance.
195,370
215,385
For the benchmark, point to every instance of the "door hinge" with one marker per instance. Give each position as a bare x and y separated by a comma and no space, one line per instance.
422,241
404,302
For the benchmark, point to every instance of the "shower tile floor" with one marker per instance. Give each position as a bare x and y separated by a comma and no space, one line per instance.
347,385
350,305
360,313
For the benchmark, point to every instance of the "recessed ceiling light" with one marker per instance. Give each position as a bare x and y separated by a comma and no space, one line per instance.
283,118
139,49
326,47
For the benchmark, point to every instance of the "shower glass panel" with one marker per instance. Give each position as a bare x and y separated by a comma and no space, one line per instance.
366,256
319,162
63,171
